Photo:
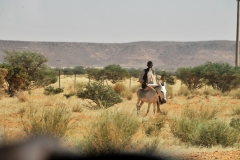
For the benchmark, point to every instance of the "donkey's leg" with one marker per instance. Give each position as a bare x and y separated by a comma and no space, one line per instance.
148,108
139,106
158,107
154,108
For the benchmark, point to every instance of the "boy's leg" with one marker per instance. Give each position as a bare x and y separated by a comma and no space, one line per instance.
147,89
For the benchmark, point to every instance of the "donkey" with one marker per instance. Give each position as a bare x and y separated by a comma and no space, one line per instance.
155,95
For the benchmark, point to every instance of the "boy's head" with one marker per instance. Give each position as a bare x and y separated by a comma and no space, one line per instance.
149,64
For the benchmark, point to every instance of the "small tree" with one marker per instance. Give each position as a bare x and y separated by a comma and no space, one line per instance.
191,77
115,73
45,76
30,61
3,73
134,72
68,71
166,77
96,74
34,65
79,70
102,95
17,79
221,76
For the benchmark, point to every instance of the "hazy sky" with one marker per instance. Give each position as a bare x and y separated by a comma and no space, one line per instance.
117,21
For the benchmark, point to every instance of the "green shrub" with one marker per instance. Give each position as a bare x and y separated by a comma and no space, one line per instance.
203,113
185,128
236,111
111,133
204,133
53,122
50,90
103,96
235,123
68,95
58,90
215,133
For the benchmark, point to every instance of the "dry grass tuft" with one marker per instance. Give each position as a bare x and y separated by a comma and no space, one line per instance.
202,111
119,87
235,93
77,108
184,91
22,97
127,94
111,133
153,125
52,121
212,92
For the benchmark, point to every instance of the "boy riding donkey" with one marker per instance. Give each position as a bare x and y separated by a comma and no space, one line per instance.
148,80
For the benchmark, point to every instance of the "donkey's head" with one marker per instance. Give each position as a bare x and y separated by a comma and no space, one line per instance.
162,91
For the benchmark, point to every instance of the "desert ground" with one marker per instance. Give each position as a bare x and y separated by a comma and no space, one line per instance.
11,128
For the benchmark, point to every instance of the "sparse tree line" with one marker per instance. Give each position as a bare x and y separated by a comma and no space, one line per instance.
113,73
220,76
23,70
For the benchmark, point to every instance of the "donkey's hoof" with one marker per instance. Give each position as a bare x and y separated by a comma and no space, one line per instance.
138,112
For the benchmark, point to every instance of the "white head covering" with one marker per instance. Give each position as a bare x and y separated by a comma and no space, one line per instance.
151,78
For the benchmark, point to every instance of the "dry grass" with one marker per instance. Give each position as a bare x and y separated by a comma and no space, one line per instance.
204,103
22,97
112,132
